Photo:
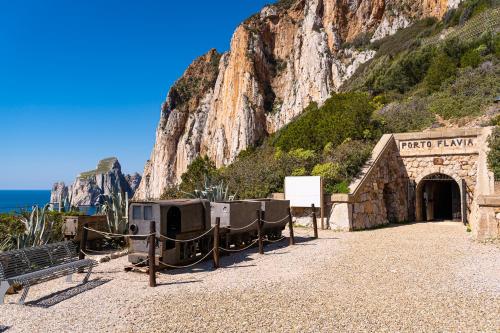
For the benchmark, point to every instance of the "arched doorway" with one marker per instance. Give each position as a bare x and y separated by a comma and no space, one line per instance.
438,198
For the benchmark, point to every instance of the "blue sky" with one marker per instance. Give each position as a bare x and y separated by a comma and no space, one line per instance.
82,80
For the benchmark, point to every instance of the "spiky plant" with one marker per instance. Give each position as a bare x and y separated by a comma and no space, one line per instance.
213,192
37,227
65,205
5,244
115,206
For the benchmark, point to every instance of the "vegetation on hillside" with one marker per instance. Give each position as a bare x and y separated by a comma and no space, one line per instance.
31,228
415,79
417,76
332,141
494,154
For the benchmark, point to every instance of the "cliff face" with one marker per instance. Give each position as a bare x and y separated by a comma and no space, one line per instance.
280,60
87,187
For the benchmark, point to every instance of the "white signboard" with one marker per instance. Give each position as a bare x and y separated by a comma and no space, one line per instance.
303,191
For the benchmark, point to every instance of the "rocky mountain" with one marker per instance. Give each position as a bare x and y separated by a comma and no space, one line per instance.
87,187
280,60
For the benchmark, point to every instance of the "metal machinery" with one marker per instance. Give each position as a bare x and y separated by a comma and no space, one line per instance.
175,219
276,212
234,217
73,228
189,219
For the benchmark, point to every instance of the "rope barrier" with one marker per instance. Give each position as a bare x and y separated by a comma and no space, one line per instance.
275,241
278,221
239,250
186,240
104,252
190,265
236,229
111,235
140,262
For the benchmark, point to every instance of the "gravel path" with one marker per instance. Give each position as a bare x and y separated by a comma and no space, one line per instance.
419,277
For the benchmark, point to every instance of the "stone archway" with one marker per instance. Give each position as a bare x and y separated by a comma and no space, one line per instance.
438,198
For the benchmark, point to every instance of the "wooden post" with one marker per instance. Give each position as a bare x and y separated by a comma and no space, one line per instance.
83,244
216,242
151,255
321,206
315,222
259,232
464,202
290,226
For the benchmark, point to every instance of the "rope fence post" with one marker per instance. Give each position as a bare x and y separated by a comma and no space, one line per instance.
315,221
83,244
151,255
216,242
259,232
290,226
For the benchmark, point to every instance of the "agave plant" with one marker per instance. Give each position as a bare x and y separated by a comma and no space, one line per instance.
37,227
115,206
5,245
213,192
65,204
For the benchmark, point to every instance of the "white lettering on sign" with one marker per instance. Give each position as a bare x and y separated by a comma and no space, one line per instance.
437,143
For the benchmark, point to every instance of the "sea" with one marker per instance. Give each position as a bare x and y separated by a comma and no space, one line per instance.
16,200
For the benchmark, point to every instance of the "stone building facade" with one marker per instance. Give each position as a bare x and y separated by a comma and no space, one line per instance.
435,175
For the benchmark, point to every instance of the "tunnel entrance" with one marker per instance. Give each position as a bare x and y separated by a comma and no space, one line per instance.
439,197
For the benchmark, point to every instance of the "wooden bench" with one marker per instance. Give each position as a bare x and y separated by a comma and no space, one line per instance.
34,265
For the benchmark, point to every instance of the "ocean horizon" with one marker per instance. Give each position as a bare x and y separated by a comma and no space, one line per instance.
16,200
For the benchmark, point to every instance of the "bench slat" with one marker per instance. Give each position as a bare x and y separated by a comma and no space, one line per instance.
52,272
28,260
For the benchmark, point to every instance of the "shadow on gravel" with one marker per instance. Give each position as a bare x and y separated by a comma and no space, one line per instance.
232,260
178,282
3,328
60,296
405,224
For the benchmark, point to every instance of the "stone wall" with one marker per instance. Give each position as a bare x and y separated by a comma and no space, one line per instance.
382,196
378,196
389,188
488,220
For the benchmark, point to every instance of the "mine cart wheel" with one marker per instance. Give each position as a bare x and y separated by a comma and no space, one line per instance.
247,239
206,244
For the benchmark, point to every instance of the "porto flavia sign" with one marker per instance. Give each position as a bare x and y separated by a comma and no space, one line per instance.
437,143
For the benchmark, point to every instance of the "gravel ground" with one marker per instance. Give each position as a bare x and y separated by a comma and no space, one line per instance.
418,277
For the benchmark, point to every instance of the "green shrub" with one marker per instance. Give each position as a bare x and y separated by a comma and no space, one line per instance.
329,172
405,116
406,39
302,154
495,121
342,116
342,187
299,172
350,156
56,220
194,177
258,174
405,72
10,228
471,58
494,153
172,192
441,70
469,94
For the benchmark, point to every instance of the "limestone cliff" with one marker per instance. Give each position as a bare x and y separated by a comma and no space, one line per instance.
89,185
281,59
